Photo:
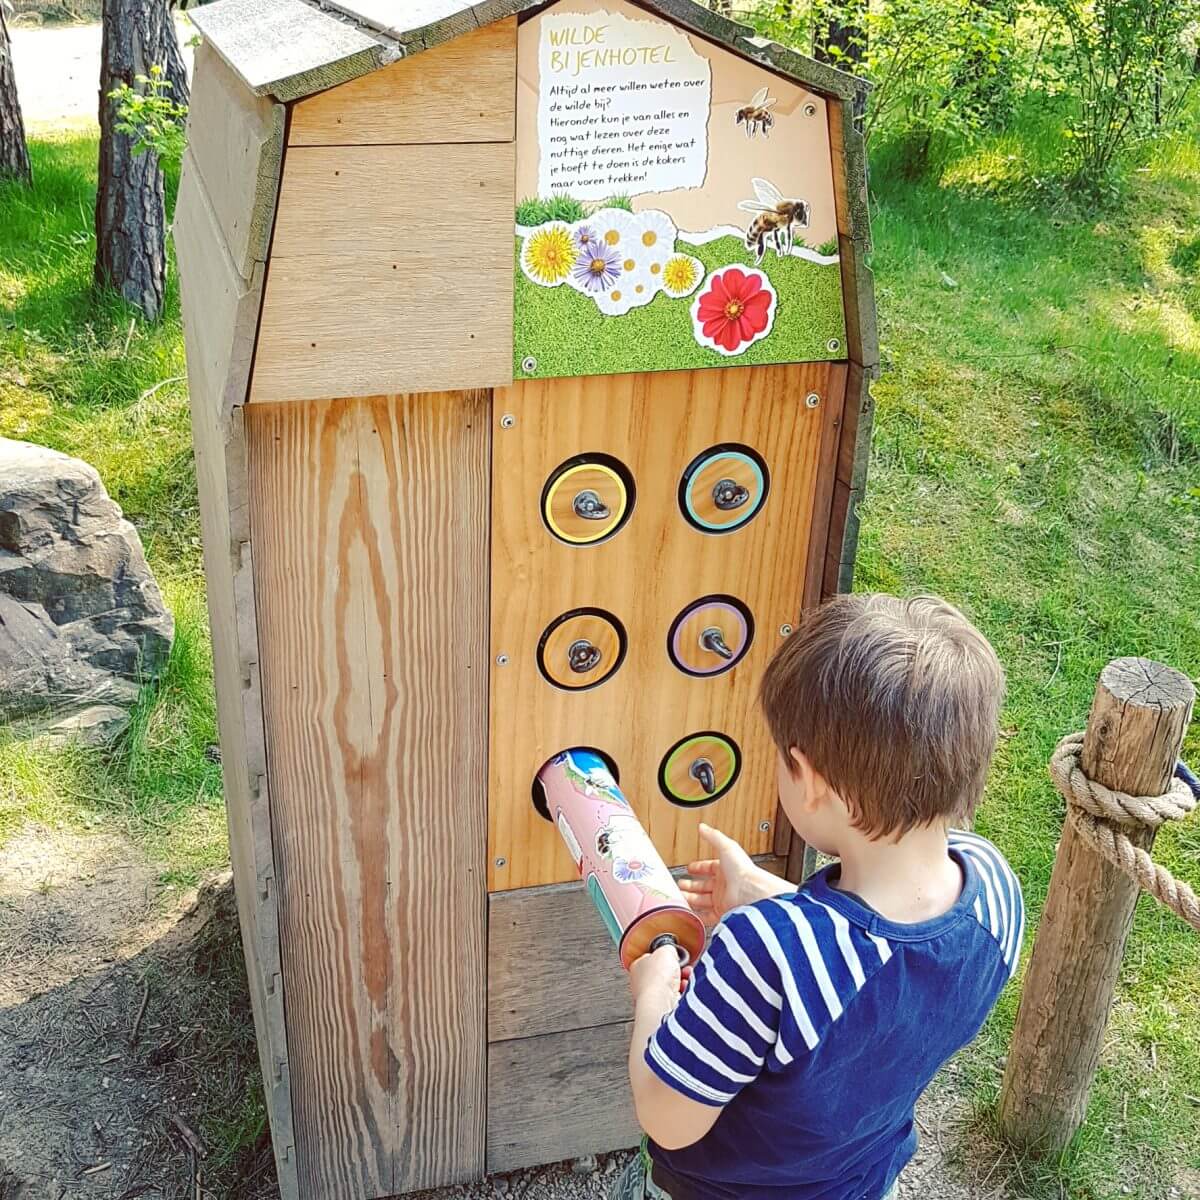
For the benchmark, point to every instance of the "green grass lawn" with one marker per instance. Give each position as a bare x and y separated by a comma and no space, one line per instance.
1036,460
566,334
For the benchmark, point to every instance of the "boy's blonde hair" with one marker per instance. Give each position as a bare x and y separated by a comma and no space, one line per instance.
895,702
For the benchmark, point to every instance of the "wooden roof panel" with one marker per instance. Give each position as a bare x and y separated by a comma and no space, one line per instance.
293,48
288,48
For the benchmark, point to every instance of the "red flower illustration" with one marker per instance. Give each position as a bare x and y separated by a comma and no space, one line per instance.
734,311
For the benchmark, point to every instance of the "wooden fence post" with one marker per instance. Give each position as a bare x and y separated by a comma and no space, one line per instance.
1139,716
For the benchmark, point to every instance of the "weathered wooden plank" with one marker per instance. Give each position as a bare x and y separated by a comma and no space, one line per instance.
377,290
449,202
464,91
286,48
219,309
531,934
236,142
559,1096
844,516
831,436
656,425
372,598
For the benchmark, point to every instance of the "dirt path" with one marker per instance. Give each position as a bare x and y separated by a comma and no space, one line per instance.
58,72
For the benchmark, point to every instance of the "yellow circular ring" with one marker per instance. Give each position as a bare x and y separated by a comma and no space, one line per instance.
614,521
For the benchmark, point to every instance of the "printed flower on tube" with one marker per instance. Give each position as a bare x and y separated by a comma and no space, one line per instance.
597,268
585,237
549,254
736,310
630,870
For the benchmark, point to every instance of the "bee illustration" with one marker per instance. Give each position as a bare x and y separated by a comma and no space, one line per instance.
757,114
776,219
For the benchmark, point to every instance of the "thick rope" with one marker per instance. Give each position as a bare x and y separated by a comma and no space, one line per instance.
1097,813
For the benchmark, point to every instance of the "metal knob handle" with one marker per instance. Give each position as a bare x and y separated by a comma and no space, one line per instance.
589,507
582,656
702,772
728,493
713,639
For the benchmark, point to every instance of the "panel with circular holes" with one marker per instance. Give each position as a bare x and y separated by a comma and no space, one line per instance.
723,488
710,636
699,769
587,499
581,648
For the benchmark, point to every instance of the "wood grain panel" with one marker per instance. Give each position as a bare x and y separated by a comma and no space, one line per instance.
462,91
532,933
646,574
236,140
376,285
559,1096
369,520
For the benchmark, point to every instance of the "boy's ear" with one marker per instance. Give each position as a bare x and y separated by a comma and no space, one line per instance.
812,785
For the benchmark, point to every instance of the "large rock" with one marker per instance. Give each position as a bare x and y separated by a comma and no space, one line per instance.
82,622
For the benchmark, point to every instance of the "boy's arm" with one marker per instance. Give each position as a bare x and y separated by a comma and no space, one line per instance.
672,1119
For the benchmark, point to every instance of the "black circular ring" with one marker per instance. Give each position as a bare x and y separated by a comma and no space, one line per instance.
604,614
582,460
714,598
708,455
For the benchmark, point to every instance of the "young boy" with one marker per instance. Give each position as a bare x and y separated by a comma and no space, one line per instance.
790,1065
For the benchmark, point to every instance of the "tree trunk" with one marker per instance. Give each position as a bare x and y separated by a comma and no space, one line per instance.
1139,716
174,68
14,153
841,36
130,215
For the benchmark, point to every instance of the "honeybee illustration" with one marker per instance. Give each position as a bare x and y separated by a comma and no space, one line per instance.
777,219
757,114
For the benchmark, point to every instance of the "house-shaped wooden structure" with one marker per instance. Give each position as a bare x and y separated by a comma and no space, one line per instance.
528,347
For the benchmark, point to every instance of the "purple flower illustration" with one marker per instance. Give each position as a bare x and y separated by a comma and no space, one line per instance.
630,870
597,268
585,237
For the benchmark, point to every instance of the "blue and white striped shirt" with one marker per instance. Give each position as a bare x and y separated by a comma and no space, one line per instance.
838,1018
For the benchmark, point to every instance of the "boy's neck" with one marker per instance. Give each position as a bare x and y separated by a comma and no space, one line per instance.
909,880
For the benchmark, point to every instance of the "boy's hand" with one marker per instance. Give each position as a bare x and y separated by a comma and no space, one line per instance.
717,886
656,978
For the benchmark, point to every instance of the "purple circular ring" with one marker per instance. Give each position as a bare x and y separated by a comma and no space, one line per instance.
720,664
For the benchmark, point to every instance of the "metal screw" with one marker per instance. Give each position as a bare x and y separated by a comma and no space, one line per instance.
834,345
810,110
507,421
502,862
529,364
764,826
785,631
812,400
502,660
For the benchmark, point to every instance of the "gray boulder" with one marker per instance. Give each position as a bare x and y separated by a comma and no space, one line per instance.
82,622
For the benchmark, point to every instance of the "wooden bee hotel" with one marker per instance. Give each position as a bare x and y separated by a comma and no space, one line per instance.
528,347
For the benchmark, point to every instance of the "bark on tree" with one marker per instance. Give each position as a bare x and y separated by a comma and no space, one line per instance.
1139,716
14,153
130,214
173,65
841,37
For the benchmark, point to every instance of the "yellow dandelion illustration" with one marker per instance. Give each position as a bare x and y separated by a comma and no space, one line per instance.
549,254
682,275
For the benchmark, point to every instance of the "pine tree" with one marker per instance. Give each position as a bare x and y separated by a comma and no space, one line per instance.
14,153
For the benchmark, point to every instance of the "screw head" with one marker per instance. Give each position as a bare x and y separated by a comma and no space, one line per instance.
502,660
502,862
764,826
529,364
834,345
812,400
785,630
810,110
507,421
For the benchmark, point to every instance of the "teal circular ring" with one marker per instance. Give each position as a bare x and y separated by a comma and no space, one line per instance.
751,509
